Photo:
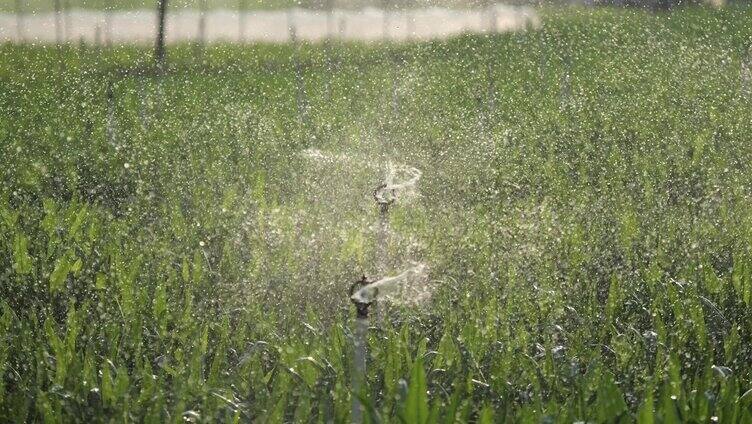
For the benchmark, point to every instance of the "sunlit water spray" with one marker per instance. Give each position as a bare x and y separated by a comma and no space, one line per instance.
401,182
406,287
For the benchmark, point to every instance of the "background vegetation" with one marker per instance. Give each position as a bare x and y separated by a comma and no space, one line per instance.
168,253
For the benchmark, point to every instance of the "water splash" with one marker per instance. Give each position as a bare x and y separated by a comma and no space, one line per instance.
387,286
400,181
317,155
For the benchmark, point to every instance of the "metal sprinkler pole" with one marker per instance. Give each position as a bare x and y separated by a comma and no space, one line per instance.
383,200
359,358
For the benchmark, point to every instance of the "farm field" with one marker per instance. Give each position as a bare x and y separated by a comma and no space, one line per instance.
178,245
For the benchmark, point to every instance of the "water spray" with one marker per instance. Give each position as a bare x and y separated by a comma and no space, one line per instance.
368,293
384,199
110,130
746,73
385,195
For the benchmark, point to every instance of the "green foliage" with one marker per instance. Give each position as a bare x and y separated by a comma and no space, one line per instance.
415,408
174,254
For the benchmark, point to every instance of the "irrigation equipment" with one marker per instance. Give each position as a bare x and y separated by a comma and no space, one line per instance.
359,357
368,292
364,293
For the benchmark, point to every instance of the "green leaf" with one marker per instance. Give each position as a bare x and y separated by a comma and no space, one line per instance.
611,404
645,415
59,274
22,262
101,281
416,403
486,415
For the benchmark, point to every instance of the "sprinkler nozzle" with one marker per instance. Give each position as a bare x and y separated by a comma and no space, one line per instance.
360,305
383,195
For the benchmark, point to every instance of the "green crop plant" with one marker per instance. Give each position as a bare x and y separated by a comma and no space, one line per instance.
588,255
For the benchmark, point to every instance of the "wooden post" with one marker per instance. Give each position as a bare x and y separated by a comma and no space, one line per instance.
107,36
385,11
20,20
58,22
202,24
241,20
159,49
66,21
492,28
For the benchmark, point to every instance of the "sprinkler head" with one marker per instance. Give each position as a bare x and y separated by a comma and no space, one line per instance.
360,306
383,196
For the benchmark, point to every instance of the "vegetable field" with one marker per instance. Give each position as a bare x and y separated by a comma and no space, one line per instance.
178,244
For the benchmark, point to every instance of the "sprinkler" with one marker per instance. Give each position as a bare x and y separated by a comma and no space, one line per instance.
359,359
363,294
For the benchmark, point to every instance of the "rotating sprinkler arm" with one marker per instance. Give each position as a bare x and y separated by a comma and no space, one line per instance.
415,175
369,291
386,193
